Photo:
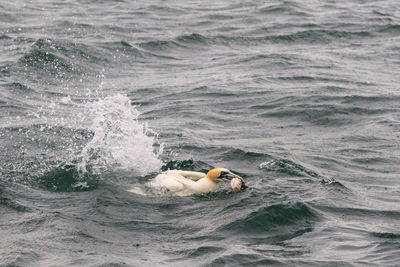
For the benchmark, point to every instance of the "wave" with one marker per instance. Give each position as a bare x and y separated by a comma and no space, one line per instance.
194,38
11,204
180,165
239,154
327,110
189,165
386,235
319,34
182,41
13,103
306,36
267,218
389,28
334,183
69,61
61,58
19,88
67,178
241,259
160,45
288,167
124,50
333,115
359,212
5,37
47,61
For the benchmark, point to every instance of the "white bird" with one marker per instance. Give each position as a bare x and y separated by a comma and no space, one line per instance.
184,183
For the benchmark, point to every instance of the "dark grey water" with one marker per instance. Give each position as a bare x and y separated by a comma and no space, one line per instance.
301,98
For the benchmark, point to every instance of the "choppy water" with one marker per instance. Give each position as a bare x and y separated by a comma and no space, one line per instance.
301,98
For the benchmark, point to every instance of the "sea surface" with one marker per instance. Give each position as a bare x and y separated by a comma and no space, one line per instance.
300,98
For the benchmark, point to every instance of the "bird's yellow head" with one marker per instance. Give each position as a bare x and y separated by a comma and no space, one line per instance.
220,174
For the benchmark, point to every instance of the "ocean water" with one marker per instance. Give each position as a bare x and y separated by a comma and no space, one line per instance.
301,98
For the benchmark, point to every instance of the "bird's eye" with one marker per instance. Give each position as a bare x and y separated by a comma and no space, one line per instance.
222,174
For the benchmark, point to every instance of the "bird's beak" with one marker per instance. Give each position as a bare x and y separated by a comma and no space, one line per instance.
228,176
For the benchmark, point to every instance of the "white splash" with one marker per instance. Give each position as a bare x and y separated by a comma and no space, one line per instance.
119,139
267,164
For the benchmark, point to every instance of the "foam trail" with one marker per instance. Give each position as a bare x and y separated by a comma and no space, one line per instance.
119,139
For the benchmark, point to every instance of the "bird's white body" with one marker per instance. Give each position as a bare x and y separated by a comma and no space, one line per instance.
184,183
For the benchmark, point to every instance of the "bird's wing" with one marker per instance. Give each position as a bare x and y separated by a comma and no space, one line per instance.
192,175
172,183
189,184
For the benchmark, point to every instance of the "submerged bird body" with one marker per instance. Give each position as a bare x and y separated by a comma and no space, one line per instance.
184,183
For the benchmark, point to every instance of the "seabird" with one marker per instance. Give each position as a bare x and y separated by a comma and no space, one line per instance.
184,183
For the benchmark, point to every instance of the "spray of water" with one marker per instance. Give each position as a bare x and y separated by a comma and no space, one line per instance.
69,145
119,139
